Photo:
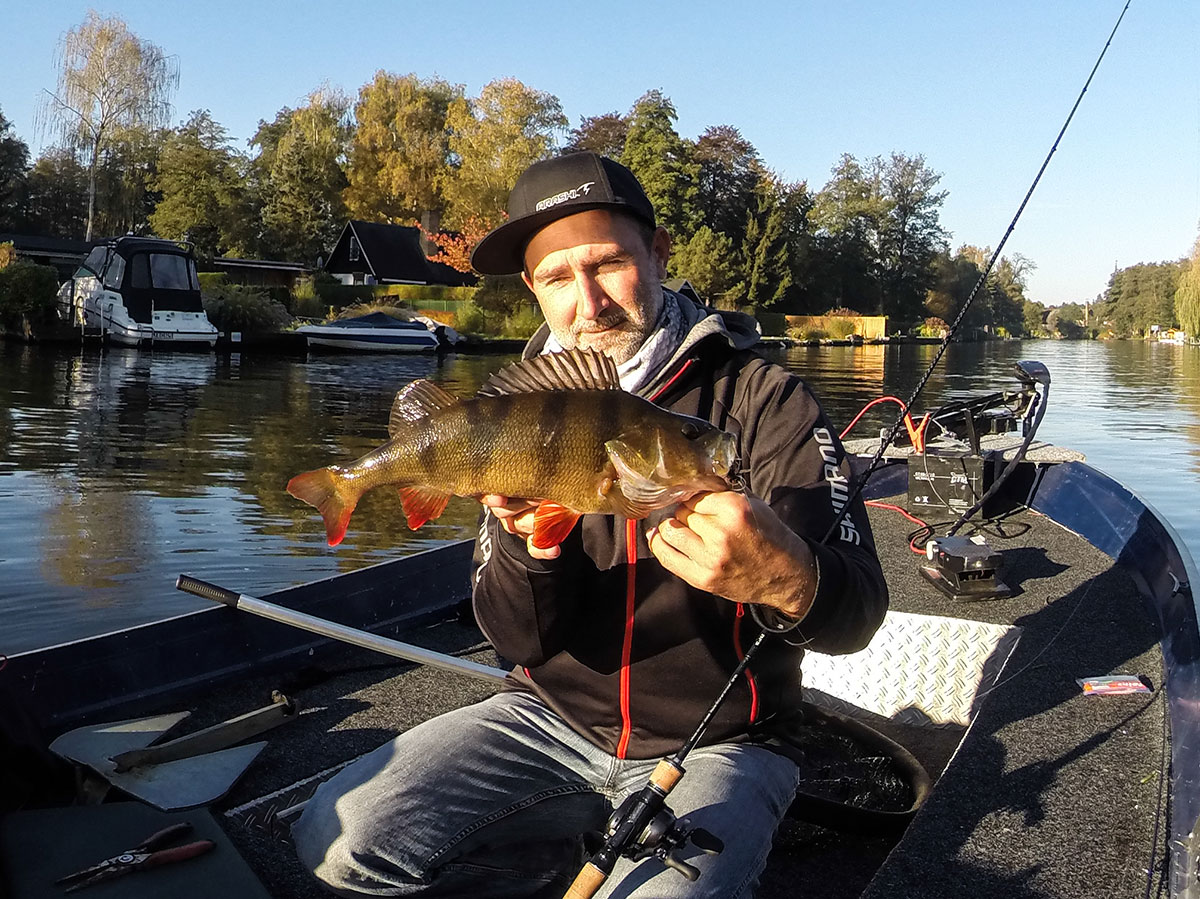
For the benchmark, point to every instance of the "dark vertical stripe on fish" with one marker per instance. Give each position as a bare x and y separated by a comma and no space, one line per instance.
480,437
553,443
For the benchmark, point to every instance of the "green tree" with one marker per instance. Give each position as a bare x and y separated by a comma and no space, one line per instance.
1140,296
766,249
109,80
1034,316
494,138
603,134
201,183
14,163
729,172
848,213
1187,294
910,235
399,159
710,261
57,195
302,205
664,163
953,278
125,197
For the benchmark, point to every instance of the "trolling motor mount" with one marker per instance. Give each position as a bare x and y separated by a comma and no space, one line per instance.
963,568
662,837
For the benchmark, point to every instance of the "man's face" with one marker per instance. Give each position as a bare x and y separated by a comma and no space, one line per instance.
597,281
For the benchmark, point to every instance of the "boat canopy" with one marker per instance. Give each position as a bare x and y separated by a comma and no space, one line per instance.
148,273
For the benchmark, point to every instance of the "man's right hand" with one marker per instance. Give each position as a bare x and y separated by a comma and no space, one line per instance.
515,515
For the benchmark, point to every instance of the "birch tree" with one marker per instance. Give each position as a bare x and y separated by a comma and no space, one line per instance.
109,80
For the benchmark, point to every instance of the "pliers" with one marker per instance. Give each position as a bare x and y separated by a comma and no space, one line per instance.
147,854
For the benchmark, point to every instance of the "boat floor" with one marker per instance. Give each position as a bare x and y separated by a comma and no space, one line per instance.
1053,794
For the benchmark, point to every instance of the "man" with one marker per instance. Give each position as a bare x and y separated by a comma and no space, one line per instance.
624,634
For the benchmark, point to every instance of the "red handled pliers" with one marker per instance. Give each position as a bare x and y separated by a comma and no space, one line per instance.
147,854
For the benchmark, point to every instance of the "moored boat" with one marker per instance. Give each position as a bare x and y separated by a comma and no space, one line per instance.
376,332
138,291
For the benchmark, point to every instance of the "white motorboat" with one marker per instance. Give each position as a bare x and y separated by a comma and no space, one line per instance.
376,332
139,291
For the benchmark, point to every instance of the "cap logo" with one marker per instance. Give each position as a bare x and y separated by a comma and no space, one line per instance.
573,194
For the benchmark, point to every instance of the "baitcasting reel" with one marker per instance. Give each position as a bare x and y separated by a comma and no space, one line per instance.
662,837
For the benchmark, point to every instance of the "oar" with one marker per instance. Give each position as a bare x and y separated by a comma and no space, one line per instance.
341,632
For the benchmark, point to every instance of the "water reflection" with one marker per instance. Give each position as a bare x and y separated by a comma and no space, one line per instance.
122,469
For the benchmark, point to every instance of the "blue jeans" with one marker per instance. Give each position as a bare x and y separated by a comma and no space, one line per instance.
490,801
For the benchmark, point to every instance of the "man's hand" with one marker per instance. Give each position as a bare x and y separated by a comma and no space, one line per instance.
516,517
737,547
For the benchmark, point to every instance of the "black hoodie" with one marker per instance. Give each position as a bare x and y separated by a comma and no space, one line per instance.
634,671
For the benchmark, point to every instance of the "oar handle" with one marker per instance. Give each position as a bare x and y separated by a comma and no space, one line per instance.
205,590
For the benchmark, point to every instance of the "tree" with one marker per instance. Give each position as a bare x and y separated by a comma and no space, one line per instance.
1140,296
1187,295
767,267
1034,316
909,233
201,183
124,195
729,172
848,213
603,134
302,205
494,138
57,186
109,80
664,164
399,159
710,261
953,278
14,162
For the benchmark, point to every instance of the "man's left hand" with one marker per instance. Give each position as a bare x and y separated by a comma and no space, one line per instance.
735,546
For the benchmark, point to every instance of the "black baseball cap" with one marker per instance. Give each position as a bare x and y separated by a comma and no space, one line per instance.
551,189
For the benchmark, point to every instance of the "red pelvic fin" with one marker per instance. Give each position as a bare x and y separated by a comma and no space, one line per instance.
422,504
331,495
551,524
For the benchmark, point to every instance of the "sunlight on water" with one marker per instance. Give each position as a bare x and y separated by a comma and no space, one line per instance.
122,470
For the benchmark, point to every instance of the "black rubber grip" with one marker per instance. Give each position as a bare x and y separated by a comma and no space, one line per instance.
204,589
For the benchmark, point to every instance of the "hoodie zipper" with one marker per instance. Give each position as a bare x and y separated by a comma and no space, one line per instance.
631,545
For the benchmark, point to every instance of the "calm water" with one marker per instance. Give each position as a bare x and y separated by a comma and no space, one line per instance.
120,470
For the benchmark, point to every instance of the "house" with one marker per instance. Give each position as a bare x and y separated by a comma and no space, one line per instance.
63,254
255,272
683,286
371,253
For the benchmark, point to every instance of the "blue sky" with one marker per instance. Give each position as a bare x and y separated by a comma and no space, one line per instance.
979,89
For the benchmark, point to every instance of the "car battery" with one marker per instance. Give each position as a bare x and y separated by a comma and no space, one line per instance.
946,483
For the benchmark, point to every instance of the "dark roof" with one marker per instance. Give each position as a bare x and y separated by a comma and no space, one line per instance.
393,253
271,264
35,243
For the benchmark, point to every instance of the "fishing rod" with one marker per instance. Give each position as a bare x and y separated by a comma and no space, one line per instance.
643,826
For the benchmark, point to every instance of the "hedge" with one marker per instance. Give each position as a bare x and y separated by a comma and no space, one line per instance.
27,290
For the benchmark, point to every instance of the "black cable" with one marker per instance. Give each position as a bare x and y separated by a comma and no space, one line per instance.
1039,414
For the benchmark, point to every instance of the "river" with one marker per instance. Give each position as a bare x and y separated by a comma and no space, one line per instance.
121,469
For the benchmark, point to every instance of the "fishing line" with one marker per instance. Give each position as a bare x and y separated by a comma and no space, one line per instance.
652,795
979,283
